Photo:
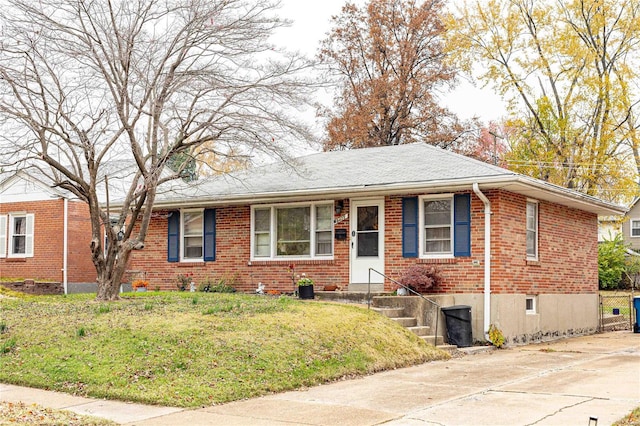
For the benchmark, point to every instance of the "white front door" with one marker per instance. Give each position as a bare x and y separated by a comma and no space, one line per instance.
367,242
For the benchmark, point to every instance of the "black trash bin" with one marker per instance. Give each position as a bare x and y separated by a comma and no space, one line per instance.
458,320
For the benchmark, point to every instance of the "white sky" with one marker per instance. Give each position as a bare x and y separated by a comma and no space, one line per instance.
311,22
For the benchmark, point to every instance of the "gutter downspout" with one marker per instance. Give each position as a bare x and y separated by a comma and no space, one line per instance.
487,259
65,245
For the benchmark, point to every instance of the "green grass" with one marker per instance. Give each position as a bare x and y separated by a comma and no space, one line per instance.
166,349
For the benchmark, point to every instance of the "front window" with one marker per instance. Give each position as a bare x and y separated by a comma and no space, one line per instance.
302,231
293,231
19,235
635,228
192,227
324,229
438,229
532,230
262,232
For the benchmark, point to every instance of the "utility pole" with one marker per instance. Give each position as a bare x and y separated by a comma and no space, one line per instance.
495,155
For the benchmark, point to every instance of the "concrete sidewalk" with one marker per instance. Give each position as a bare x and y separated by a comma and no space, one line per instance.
559,383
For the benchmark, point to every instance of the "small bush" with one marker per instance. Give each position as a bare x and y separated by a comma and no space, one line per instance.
421,278
495,336
81,332
3,327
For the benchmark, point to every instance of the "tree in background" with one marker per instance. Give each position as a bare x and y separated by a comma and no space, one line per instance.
490,145
387,58
612,263
566,68
86,84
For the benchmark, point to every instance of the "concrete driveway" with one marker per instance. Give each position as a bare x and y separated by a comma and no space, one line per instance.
559,383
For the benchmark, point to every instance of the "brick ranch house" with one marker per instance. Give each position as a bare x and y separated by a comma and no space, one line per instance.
521,252
44,237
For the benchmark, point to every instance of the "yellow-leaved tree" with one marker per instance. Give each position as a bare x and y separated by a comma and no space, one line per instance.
567,70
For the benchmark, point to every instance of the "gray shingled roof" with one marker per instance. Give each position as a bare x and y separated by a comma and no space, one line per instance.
339,170
373,171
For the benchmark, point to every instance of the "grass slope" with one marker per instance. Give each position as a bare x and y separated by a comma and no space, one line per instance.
194,349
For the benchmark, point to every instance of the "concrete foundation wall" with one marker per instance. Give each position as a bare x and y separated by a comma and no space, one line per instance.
557,316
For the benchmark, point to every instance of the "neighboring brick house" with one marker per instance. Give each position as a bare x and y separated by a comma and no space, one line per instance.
338,214
44,234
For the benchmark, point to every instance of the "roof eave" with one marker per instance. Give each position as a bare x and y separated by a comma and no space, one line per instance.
512,182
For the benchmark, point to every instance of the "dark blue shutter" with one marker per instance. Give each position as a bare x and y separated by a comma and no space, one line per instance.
410,227
462,225
173,237
209,235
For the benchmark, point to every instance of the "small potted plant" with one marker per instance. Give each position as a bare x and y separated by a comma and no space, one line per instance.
140,285
305,287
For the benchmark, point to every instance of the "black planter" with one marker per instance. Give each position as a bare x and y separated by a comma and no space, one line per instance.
305,292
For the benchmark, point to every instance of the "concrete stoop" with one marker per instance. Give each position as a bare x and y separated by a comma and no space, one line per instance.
396,313
411,323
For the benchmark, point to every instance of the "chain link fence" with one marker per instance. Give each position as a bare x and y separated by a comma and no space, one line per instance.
616,313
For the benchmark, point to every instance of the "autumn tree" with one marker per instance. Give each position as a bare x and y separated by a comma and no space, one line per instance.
85,85
488,143
387,62
566,69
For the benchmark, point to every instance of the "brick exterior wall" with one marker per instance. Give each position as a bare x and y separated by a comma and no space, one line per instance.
567,249
567,252
47,260
233,246
79,264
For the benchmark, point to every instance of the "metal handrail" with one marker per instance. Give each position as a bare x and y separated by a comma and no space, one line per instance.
435,340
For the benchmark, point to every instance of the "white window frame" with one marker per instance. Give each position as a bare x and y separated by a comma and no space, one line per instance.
183,235
422,227
29,232
536,230
273,239
3,235
631,228
534,305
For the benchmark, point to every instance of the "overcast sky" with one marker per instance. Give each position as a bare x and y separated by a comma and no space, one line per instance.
311,22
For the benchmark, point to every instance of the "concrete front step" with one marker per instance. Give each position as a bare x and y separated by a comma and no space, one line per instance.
390,312
431,339
420,330
406,321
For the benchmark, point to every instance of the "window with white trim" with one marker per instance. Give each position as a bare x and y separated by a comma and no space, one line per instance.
19,235
635,227
530,305
3,235
192,234
532,230
292,231
437,226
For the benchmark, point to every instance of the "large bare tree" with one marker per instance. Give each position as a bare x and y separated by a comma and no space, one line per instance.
86,83
388,63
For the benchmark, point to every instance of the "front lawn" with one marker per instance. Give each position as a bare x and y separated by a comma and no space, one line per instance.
194,349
